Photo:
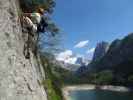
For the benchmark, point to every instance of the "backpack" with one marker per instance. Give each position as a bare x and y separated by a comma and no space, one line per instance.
41,27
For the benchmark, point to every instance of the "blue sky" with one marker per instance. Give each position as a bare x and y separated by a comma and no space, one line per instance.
93,20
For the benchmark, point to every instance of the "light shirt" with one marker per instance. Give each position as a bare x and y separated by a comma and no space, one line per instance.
36,18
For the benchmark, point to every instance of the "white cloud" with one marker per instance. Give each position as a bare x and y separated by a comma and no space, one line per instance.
71,60
81,44
90,50
66,56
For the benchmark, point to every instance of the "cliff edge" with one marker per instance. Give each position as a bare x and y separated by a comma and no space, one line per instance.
20,78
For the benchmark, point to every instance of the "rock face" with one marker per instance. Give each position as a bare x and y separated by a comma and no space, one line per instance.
20,78
100,50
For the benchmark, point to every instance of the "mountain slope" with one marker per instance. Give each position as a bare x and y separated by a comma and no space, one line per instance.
119,55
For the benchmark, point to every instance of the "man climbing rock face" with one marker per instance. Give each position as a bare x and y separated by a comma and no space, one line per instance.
33,21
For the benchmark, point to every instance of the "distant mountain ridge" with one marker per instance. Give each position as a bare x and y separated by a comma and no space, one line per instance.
79,61
67,66
114,67
120,52
118,57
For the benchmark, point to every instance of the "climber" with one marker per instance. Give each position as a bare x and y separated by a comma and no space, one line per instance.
35,22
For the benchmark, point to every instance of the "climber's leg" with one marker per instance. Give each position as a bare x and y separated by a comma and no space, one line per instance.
27,48
27,55
26,51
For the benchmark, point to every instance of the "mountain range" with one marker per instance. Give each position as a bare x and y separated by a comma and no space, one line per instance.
116,63
120,53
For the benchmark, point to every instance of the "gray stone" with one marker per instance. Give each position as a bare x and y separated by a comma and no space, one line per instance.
18,76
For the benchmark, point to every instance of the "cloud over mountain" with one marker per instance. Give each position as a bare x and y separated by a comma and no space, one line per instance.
90,53
66,56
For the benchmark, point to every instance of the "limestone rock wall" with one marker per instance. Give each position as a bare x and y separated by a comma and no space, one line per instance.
101,50
20,78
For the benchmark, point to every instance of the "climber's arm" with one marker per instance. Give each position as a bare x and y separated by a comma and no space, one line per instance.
27,14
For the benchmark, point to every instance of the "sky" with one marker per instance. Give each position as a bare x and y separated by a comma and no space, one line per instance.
86,22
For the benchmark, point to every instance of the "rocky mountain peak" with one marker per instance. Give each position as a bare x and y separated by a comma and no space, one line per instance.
100,50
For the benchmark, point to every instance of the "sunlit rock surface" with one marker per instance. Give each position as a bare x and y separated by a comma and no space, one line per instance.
20,78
